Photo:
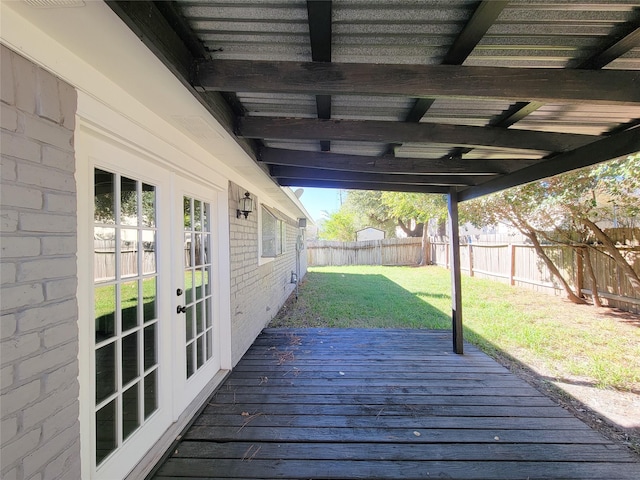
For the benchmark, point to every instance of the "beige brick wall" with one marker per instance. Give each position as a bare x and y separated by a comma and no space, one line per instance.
40,436
257,291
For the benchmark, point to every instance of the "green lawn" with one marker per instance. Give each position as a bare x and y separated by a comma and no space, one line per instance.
537,329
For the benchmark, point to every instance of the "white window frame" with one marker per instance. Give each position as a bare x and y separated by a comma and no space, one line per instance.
281,235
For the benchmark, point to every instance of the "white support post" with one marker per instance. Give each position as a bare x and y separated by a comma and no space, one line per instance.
456,282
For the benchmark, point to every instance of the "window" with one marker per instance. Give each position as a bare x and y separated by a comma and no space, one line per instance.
273,234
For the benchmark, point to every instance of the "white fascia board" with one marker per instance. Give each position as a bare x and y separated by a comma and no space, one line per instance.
92,49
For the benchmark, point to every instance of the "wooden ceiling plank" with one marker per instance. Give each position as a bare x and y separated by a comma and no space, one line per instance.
389,164
614,146
321,78
383,187
396,132
280,171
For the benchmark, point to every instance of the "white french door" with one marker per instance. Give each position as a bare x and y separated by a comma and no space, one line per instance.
129,358
196,313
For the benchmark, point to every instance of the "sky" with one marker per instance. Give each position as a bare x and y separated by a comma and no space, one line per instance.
317,200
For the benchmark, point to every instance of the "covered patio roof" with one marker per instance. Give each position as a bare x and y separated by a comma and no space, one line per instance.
430,96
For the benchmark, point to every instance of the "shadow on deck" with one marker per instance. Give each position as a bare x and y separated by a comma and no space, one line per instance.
392,404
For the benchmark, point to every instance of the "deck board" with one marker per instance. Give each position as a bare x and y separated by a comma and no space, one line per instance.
349,404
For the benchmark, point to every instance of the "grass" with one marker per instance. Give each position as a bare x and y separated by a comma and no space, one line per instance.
569,341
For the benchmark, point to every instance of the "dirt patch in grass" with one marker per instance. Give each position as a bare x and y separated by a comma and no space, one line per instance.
586,359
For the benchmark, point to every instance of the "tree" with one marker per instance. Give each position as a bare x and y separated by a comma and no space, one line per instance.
339,226
566,209
518,207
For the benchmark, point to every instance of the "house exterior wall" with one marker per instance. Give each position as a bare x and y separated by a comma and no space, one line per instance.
258,289
39,344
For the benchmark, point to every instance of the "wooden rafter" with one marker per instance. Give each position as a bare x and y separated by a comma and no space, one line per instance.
389,164
349,185
483,17
614,146
396,132
319,15
300,173
613,87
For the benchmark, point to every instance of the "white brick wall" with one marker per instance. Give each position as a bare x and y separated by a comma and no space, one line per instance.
39,344
257,292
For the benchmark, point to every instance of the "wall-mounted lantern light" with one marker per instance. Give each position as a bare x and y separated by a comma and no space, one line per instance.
246,206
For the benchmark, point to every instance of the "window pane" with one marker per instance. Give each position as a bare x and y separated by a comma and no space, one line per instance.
189,323
104,197
150,394
187,212
148,205
128,201
199,316
190,368
200,353
130,411
197,215
150,346
188,250
128,252
129,305
188,286
105,371
148,251
199,279
105,312
199,249
105,431
268,234
207,218
207,281
104,257
149,299
129,358
209,316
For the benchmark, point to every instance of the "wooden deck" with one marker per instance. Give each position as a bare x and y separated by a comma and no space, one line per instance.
385,404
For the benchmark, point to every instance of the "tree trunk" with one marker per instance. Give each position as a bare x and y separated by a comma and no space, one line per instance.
610,247
592,277
531,235
424,257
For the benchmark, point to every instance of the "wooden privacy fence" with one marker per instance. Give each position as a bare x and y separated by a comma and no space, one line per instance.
390,251
519,264
513,263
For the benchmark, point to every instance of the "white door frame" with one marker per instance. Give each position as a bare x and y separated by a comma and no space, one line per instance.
96,146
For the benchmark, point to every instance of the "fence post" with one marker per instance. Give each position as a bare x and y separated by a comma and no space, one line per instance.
470,259
512,264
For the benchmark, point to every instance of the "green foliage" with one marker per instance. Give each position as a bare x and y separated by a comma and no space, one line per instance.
339,226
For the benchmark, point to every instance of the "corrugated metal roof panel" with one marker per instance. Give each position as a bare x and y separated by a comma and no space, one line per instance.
354,107
550,34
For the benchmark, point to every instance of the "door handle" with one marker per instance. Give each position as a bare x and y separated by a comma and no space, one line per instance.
181,309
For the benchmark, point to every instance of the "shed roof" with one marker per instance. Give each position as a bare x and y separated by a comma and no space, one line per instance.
428,96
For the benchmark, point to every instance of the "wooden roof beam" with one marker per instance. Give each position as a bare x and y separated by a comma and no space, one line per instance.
319,18
617,87
394,132
349,185
388,164
280,172
614,146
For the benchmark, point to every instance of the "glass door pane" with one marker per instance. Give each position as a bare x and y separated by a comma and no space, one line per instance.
125,306
198,292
